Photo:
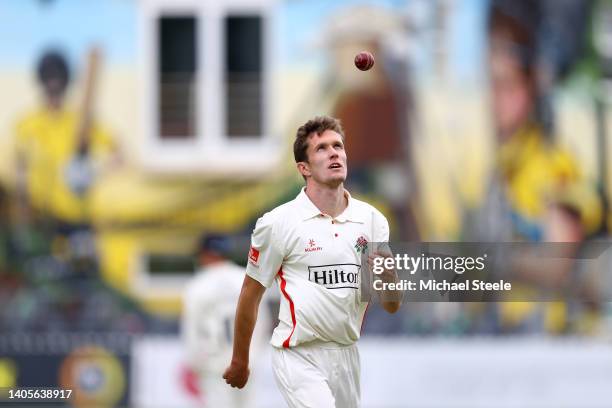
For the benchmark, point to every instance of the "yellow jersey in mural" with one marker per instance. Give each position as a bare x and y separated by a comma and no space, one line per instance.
47,142
537,173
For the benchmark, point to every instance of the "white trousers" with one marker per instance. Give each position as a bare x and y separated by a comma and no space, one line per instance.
316,376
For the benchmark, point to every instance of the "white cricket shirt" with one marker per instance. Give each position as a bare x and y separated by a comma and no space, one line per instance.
316,260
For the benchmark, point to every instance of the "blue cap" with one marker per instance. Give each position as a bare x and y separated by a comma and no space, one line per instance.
215,243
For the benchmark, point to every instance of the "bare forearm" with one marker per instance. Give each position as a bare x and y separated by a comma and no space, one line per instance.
237,374
246,317
391,300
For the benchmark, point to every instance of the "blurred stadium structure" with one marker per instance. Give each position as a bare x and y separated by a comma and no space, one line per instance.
202,99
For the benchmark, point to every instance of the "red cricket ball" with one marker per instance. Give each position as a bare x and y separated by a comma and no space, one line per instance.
364,60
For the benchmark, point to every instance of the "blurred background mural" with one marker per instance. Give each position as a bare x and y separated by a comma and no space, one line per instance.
130,129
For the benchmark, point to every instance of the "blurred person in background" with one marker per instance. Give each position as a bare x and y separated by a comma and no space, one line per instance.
209,307
533,173
60,152
537,192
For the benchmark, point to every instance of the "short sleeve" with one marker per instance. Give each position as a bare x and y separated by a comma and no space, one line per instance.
265,256
380,227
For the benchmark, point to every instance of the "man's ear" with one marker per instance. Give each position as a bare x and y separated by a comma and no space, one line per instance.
304,169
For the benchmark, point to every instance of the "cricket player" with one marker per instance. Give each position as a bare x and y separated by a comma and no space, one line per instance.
312,247
208,323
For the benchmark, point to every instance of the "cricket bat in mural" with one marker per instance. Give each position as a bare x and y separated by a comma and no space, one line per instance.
79,172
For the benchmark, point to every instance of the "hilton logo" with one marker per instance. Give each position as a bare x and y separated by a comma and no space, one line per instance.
335,276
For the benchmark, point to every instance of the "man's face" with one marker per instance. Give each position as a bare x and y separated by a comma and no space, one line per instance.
326,159
54,89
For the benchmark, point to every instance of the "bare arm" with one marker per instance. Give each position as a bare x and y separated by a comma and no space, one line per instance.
237,374
390,300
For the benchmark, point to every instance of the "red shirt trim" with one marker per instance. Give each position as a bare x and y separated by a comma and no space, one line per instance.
283,285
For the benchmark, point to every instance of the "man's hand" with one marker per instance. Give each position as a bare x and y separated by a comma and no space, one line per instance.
237,375
391,300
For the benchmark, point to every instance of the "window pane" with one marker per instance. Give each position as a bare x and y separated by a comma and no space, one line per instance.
168,265
243,75
177,87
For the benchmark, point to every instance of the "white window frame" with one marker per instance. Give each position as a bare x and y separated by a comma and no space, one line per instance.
211,151
147,286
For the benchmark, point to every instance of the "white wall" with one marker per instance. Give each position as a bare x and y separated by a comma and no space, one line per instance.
510,372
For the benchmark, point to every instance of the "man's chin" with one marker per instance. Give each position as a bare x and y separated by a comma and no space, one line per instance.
335,181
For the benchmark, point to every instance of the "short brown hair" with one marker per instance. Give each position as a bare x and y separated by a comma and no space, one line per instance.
316,125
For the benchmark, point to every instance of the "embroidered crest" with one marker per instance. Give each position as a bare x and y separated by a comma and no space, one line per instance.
361,244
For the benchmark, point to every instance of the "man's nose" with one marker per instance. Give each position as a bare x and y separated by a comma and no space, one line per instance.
333,153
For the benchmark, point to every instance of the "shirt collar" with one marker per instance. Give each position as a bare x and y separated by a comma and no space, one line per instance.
309,210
